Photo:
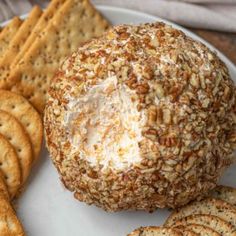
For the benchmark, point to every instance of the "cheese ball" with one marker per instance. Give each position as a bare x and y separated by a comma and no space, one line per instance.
141,118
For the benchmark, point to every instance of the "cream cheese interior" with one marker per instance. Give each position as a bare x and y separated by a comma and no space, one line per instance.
104,125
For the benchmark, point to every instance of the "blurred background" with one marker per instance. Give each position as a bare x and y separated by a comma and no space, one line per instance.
213,20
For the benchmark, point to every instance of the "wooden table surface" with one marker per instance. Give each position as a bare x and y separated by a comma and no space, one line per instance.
225,42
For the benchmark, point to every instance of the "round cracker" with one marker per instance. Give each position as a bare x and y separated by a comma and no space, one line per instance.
201,230
186,231
20,108
155,230
217,224
3,187
10,166
9,223
207,206
12,130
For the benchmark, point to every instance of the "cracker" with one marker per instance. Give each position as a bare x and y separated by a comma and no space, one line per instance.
9,223
12,130
8,32
16,43
3,187
47,15
155,231
10,167
208,206
20,108
217,224
186,232
225,193
75,22
200,230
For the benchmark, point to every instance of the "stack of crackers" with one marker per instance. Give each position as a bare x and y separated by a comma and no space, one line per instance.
213,216
21,134
31,50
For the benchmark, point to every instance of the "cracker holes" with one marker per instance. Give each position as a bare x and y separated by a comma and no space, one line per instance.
82,33
31,95
28,96
9,138
70,46
6,177
82,12
1,163
25,77
56,7
93,29
17,47
27,124
37,64
92,15
19,150
0,124
13,107
58,60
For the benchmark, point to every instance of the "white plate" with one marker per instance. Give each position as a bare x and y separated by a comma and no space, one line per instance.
47,209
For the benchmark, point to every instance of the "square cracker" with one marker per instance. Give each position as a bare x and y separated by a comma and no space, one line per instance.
15,45
8,32
48,14
76,22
